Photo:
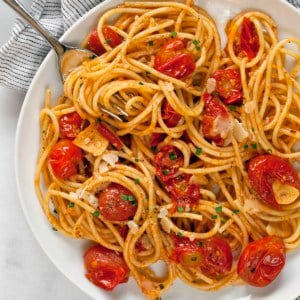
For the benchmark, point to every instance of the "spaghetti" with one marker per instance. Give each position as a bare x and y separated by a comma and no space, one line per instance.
207,134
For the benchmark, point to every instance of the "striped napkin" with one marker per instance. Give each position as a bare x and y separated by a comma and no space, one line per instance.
24,52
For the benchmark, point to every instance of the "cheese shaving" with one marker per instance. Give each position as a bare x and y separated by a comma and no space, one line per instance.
239,131
211,85
133,226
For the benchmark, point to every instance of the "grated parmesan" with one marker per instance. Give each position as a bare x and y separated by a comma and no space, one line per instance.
162,213
133,226
110,158
239,131
103,167
169,86
211,85
222,126
166,225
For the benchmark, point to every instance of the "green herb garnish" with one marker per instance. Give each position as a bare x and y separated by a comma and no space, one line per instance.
96,213
214,217
218,209
198,151
136,181
150,43
172,156
180,209
71,204
173,34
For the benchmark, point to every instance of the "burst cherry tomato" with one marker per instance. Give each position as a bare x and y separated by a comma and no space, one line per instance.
263,170
111,37
217,257
174,60
112,137
156,138
261,261
215,111
229,86
169,115
70,125
105,268
249,39
184,193
117,203
167,162
64,159
213,256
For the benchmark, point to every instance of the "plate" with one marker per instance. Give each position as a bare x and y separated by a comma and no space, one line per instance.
66,253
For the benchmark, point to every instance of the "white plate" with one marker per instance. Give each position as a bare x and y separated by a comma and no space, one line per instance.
66,253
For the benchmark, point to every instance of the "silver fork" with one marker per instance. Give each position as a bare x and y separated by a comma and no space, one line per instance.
63,52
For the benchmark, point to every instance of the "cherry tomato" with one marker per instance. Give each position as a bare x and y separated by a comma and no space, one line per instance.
229,85
169,115
105,268
213,108
186,252
117,203
174,60
167,162
183,193
156,138
217,257
263,170
213,256
64,159
111,37
112,137
70,125
249,39
261,261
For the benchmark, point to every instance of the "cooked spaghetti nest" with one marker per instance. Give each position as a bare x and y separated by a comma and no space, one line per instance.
124,77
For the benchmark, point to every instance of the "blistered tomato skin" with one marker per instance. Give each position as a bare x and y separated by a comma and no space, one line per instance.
174,60
117,203
64,159
213,256
263,170
262,261
249,39
70,125
105,268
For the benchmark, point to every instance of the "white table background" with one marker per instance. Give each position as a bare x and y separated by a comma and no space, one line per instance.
26,273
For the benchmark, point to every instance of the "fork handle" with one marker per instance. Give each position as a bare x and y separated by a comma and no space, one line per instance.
22,11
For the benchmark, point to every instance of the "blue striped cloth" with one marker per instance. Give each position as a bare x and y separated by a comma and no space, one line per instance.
21,56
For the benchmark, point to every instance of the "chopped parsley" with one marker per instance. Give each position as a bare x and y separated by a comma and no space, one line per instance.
214,217
133,203
173,34
130,198
236,211
180,209
198,151
153,148
254,146
99,120
147,73
151,43
161,286
141,83
136,181
200,244
180,234
196,43
232,107
54,229
246,147
172,156
71,204
165,172
218,209
96,213
124,197
108,41
136,159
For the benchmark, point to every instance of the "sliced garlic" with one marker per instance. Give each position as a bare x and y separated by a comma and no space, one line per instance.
284,193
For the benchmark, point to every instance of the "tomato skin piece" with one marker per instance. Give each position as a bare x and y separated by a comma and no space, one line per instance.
156,138
213,108
229,86
174,60
169,115
113,207
217,257
261,261
95,45
213,256
249,39
112,137
183,193
264,169
105,268
166,167
64,159
70,125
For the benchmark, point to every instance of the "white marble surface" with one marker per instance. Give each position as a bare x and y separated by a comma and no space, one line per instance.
26,272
